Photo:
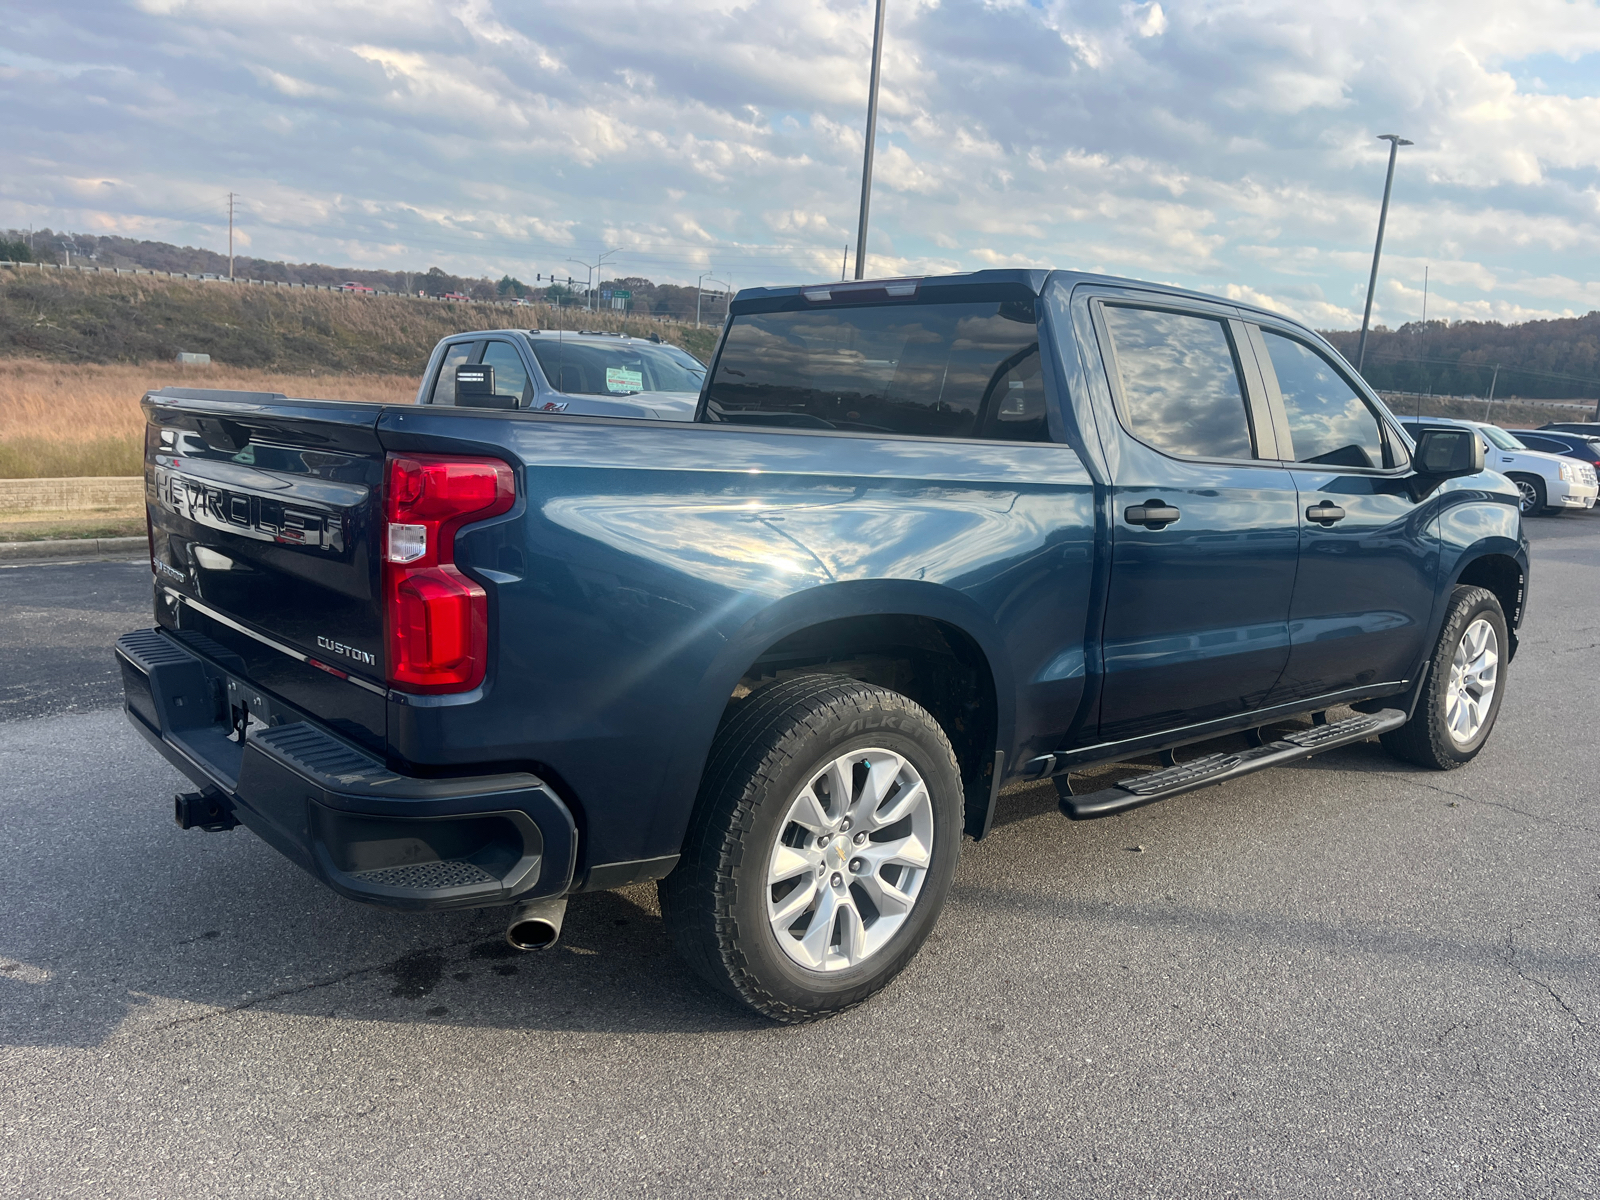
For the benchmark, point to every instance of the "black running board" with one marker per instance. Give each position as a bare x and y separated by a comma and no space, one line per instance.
1218,768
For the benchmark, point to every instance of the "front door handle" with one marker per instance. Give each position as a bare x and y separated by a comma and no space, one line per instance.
1152,514
1325,514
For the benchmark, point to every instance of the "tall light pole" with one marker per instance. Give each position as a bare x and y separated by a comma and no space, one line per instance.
1395,142
697,294
872,130
592,268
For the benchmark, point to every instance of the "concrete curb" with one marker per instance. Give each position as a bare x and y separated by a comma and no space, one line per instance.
79,549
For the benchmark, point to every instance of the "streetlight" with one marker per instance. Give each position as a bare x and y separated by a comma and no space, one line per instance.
872,129
697,284
1395,142
592,268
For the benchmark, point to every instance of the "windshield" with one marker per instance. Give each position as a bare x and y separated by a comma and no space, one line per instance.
593,368
1500,437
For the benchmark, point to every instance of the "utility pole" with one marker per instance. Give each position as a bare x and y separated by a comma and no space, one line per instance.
230,237
844,263
1395,142
872,130
1493,379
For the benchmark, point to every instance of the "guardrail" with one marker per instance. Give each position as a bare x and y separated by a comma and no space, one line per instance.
630,314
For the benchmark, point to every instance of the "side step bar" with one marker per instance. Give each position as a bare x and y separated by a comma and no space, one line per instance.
1140,790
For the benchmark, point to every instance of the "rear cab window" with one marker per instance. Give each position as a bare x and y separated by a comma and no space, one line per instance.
952,369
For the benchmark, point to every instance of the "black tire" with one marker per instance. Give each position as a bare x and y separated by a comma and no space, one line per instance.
1534,498
1426,739
771,745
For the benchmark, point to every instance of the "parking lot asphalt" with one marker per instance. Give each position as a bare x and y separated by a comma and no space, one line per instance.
1345,978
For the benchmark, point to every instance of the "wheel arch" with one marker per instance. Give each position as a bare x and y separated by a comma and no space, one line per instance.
926,641
1502,574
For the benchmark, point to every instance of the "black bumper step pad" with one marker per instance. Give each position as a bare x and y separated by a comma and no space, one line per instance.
1139,790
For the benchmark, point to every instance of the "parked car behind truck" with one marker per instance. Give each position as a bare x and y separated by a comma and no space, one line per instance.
922,538
598,374
1546,483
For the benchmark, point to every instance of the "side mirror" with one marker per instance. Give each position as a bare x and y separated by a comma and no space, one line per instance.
475,389
1448,453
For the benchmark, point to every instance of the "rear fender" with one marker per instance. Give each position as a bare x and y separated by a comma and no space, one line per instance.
800,611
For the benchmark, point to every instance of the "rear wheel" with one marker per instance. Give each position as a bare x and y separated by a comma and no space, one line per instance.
1466,682
821,850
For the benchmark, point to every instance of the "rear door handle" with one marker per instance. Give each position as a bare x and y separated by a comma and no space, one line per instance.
1325,514
1152,513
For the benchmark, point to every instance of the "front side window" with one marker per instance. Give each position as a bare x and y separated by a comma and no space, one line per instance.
1180,384
1329,424
960,370
510,376
444,388
620,369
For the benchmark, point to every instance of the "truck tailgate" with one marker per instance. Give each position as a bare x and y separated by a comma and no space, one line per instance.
265,518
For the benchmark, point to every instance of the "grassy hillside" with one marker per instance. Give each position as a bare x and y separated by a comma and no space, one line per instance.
70,317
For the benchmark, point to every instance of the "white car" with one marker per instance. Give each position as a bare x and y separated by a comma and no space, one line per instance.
1547,482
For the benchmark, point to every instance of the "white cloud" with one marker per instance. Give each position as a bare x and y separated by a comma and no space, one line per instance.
1225,144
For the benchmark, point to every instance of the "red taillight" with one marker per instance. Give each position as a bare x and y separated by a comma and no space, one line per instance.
436,619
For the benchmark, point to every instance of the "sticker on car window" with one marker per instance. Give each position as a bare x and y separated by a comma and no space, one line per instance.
620,379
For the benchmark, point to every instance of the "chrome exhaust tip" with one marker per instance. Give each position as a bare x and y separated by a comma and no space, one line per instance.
536,925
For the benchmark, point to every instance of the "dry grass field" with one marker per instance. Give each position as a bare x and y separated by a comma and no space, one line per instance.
58,419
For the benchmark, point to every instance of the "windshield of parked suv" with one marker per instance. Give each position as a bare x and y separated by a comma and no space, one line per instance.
1500,437
594,368
936,370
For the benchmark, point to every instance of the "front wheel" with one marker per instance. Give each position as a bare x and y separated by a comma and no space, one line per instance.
821,850
1531,494
1465,685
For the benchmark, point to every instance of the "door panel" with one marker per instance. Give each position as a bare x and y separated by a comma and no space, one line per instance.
1368,551
1197,613
1366,585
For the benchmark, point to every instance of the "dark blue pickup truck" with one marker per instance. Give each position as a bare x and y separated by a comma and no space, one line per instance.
921,538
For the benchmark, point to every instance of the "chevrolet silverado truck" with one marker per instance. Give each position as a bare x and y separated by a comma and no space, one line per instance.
923,538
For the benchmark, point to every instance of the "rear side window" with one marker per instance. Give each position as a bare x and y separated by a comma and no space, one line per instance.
1329,423
444,388
510,376
1180,386
962,370
1548,445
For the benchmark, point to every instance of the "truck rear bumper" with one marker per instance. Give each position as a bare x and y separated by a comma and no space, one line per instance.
369,833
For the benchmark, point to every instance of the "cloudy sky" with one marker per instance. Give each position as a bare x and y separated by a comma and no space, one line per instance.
1227,145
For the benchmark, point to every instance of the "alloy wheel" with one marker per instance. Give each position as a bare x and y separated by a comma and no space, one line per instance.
1474,674
851,856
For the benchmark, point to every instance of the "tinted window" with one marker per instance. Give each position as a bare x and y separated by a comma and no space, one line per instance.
624,368
1180,386
937,370
510,376
444,389
1548,445
1328,422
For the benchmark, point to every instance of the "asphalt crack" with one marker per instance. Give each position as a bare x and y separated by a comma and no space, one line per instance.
1511,808
1510,959
441,951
